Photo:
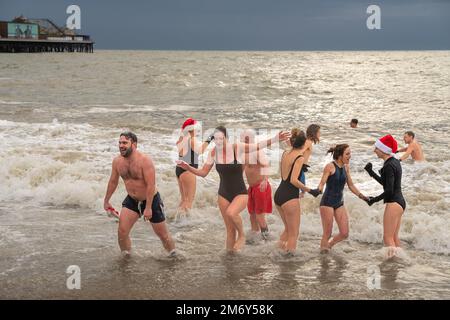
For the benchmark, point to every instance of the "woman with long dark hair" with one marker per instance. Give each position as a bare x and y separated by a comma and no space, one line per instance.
232,194
286,197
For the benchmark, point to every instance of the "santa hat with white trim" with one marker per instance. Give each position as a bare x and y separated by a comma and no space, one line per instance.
189,124
387,144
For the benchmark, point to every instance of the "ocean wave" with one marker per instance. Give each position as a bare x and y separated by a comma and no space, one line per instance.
69,179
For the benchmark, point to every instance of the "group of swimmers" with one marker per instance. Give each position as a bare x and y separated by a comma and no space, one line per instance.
233,160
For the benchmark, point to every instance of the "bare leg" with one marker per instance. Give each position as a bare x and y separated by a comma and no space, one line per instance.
231,231
261,218
397,231
392,215
284,235
163,233
391,220
180,187
326,213
254,222
234,210
292,214
185,186
127,220
341,217
188,180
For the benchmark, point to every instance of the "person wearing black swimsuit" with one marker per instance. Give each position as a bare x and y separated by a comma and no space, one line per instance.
232,199
188,151
336,175
286,197
391,180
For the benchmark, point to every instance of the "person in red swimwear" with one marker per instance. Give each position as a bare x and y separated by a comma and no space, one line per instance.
259,192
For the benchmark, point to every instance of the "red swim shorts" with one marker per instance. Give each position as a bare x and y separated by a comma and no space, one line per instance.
259,201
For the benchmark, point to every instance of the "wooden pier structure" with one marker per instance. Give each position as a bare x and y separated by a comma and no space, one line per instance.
31,45
41,35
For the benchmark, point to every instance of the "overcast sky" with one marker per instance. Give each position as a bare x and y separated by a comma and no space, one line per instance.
249,24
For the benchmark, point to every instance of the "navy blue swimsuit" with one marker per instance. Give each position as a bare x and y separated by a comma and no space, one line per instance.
334,191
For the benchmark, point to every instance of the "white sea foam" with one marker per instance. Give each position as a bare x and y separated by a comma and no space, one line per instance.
66,163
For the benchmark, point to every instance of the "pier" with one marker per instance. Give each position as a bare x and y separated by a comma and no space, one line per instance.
41,35
29,45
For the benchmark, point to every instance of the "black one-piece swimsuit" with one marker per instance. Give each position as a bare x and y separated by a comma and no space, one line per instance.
286,190
231,179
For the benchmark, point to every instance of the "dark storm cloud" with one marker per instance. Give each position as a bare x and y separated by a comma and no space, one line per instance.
251,24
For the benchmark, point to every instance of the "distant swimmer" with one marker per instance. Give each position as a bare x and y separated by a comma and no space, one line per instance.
312,138
189,150
354,123
391,180
286,197
233,197
414,149
259,191
138,174
336,175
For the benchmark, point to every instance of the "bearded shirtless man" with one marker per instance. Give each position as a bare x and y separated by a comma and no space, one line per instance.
138,173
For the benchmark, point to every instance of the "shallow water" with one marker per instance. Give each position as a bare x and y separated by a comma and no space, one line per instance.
60,116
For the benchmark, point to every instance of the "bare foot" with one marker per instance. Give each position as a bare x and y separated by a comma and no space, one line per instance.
391,252
324,250
282,244
125,254
239,243
288,253
182,210
330,243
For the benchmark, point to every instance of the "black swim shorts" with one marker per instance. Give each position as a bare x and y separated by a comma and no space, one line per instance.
139,207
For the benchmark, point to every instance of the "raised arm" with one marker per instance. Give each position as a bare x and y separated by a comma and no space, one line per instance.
252,147
200,148
371,173
112,185
180,144
352,186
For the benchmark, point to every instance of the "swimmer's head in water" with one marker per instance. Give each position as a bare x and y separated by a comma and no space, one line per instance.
248,136
313,133
127,143
220,135
408,137
298,138
341,152
354,123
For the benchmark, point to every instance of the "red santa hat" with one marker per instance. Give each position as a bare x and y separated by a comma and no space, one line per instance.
189,125
387,144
